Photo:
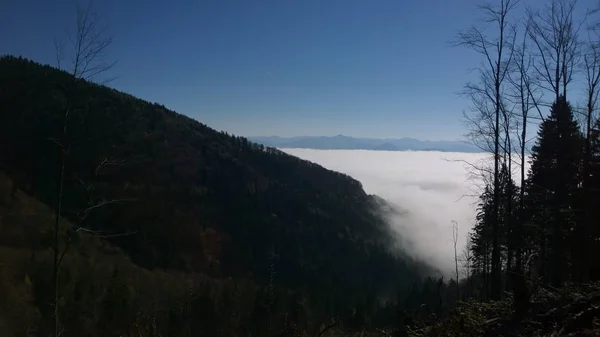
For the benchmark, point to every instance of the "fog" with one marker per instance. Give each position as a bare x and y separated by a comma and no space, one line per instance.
432,188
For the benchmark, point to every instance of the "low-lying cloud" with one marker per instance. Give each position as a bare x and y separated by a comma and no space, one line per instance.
431,188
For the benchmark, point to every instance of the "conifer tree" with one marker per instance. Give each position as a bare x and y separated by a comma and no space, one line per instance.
553,185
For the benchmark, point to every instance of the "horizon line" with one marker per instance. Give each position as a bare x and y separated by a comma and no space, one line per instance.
379,138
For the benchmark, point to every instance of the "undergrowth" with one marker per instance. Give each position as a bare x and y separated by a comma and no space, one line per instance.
570,311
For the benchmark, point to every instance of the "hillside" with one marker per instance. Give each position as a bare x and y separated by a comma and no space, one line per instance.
102,293
180,196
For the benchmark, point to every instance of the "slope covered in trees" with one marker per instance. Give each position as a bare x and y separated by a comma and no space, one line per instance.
174,194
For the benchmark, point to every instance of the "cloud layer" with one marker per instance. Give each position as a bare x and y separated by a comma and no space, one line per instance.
433,188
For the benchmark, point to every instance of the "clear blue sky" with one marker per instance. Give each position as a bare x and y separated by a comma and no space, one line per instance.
375,68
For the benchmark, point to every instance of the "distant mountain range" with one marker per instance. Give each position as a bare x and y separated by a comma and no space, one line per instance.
341,142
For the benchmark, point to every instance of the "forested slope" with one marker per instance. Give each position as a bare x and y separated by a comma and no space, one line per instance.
175,194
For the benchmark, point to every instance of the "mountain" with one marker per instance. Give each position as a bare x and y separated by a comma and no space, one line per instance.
386,147
341,142
234,235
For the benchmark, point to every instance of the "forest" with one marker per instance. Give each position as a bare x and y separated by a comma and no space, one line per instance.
536,241
544,225
120,217
212,223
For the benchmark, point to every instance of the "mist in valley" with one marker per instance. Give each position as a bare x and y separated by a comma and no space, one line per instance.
428,190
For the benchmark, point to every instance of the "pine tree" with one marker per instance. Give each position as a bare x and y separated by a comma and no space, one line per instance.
482,240
553,186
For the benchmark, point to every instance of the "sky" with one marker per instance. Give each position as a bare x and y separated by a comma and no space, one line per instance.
379,68
416,182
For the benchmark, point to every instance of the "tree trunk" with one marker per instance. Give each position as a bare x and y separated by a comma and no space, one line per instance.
59,200
496,268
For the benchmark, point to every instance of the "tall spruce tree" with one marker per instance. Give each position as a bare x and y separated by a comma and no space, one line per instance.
482,240
553,186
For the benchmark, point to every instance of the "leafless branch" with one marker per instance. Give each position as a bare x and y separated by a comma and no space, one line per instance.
55,141
591,68
84,214
59,48
89,44
470,165
554,34
88,232
107,162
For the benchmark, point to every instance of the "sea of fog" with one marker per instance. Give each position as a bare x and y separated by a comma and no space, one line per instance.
433,188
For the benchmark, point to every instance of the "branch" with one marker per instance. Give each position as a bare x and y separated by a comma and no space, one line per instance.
107,162
95,234
59,48
90,41
473,166
99,234
83,214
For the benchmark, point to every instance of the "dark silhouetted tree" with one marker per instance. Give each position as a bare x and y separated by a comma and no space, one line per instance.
552,189
487,97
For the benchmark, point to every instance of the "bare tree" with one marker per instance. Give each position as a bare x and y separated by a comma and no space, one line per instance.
554,36
466,259
88,46
89,43
509,124
487,97
524,97
591,69
455,241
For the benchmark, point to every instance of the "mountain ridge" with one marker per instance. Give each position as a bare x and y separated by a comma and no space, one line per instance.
342,142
